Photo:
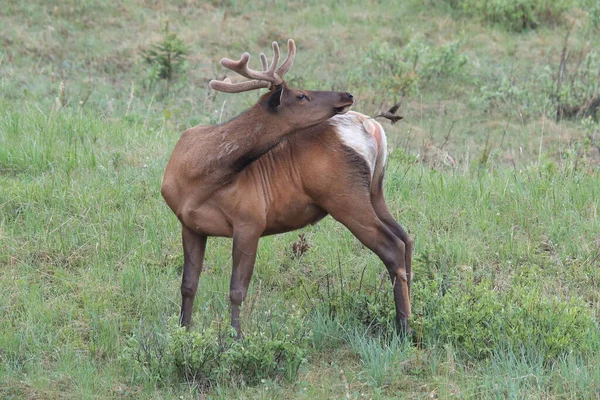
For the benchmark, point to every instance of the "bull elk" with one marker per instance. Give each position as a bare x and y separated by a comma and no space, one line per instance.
286,162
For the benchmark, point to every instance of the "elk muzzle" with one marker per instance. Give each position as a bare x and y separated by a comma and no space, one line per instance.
347,101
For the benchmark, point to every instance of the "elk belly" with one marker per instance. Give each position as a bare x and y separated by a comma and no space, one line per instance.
293,215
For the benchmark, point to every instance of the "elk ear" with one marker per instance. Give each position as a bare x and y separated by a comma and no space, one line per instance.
275,98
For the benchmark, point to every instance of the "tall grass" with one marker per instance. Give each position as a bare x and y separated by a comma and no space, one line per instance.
91,256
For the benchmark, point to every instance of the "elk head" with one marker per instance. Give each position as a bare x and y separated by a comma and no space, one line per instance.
296,109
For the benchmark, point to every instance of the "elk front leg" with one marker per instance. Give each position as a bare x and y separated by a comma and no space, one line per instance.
360,218
245,244
193,257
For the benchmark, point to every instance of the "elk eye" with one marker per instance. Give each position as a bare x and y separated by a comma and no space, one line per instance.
302,97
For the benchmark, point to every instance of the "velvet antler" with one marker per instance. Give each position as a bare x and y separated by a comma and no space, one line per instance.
270,75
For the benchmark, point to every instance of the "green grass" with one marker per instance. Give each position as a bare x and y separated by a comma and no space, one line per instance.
501,198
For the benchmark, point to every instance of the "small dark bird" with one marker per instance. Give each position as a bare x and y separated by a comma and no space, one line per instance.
391,113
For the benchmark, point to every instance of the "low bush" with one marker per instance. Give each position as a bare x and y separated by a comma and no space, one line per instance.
478,319
568,90
398,71
209,357
165,58
514,15
212,356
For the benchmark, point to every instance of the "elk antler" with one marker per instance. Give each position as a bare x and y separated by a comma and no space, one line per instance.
269,76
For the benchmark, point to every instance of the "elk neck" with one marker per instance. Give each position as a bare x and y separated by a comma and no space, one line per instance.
250,135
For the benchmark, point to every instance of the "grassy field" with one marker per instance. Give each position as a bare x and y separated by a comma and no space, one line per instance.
495,171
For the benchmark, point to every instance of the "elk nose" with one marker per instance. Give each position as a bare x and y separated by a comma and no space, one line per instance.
349,96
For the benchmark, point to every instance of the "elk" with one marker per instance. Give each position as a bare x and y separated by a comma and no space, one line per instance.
286,162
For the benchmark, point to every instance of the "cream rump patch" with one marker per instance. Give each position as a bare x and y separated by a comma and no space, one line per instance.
365,136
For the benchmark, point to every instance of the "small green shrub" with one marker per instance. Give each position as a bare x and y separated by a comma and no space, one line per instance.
443,62
212,356
376,311
197,355
578,94
569,90
393,71
594,11
147,357
515,15
369,307
259,357
592,7
165,58
530,94
477,319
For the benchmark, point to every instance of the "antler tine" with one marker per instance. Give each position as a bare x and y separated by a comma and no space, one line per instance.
240,66
228,87
275,60
289,60
263,61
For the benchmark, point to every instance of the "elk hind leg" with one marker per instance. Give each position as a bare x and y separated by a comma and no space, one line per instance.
360,218
384,214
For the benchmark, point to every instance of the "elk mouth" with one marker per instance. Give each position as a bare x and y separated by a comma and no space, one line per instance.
343,109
